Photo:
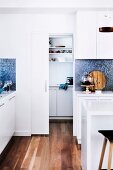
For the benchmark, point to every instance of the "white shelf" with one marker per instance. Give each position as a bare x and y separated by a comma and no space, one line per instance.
61,61
60,48
59,53
61,36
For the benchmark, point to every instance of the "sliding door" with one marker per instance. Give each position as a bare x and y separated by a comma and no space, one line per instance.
39,81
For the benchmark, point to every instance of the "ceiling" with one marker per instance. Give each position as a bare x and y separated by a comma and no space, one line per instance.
53,6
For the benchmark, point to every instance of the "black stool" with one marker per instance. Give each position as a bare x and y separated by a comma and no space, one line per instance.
108,135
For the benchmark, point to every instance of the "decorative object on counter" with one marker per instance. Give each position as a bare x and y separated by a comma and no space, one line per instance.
50,42
63,86
52,59
88,88
87,82
99,79
1,90
7,85
1,85
59,51
87,79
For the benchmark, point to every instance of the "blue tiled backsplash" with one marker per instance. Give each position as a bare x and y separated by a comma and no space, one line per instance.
106,66
8,71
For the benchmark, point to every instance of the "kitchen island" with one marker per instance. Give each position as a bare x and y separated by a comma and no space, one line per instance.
79,98
95,116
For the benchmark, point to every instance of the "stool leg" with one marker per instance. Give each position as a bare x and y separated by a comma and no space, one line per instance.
110,156
102,154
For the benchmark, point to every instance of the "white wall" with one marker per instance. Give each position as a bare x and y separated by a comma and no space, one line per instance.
58,72
15,41
57,3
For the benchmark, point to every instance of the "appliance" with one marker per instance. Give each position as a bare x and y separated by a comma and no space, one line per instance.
69,80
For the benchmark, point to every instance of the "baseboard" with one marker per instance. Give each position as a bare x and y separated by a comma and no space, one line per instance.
61,117
60,120
78,145
79,141
22,133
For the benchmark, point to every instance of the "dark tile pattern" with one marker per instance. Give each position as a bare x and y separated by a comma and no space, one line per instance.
87,65
8,71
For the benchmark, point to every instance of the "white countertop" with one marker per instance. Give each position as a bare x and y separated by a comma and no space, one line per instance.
83,93
59,85
5,94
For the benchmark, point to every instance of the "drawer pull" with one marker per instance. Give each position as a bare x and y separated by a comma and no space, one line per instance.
1,104
11,98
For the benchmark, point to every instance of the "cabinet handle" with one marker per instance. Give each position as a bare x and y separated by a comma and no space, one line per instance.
1,104
45,85
11,98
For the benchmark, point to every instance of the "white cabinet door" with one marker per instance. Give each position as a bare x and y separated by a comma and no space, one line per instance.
4,129
39,89
11,110
7,120
104,40
65,102
52,102
86,35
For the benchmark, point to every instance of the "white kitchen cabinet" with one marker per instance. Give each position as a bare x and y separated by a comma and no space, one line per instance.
52,101
85,45
90,43
104,40
65,102
11,110
60,102
4,118
7,120
39,81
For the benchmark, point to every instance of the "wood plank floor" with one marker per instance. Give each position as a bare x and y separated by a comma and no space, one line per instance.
57,151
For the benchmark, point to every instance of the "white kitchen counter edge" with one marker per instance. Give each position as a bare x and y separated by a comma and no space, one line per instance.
7,94
81,93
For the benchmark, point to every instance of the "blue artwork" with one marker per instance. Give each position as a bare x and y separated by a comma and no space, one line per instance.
8,71
106,66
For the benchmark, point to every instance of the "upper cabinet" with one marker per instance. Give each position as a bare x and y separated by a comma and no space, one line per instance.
90,43
85,35
104,39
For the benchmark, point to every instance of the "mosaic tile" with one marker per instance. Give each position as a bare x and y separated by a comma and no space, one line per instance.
8,71
106,66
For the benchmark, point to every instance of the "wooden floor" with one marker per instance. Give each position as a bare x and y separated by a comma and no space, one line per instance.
58,151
